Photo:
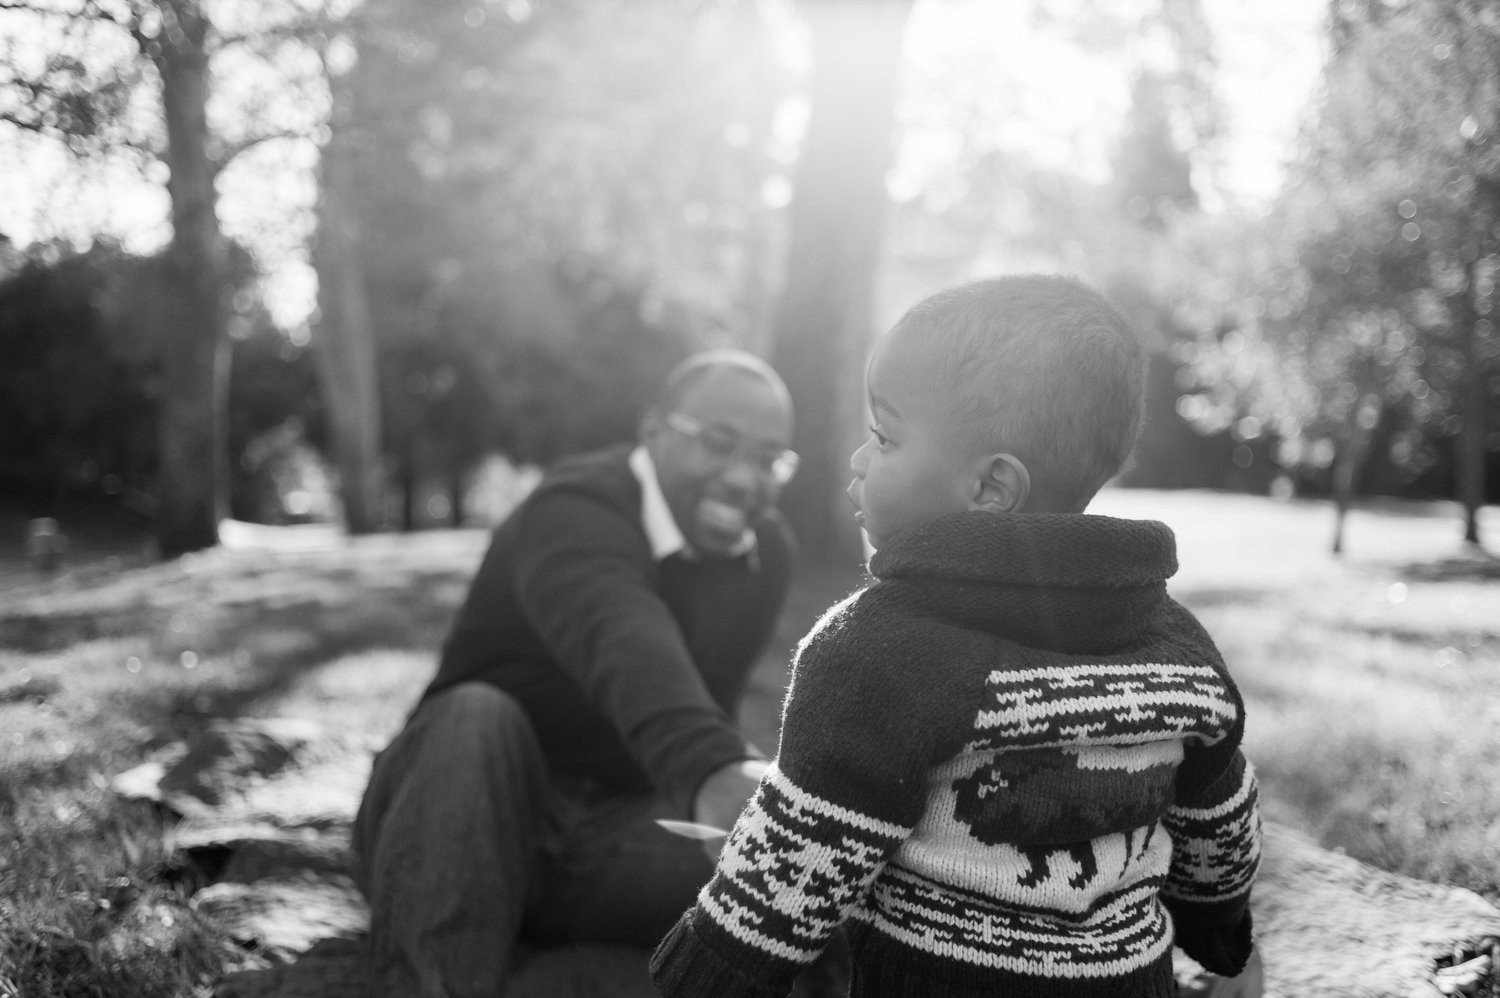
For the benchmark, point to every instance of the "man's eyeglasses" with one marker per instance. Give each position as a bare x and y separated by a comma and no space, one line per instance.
723,444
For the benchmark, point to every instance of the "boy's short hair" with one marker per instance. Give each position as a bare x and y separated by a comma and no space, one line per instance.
1041,367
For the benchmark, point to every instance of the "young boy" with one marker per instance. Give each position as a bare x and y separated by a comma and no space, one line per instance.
1010,766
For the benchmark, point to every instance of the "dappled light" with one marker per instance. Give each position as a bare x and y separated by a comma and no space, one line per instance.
300,298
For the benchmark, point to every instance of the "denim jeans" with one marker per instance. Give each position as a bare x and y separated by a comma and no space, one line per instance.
465,845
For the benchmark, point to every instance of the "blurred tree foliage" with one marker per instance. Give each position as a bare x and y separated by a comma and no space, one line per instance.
836,235
1339,342
82,386
134,79
1352,322
554,202
1133,234
530,210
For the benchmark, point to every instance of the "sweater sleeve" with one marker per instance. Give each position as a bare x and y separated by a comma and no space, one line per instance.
1216,842
844,791
585,580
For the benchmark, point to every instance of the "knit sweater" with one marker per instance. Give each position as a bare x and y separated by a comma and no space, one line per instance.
1010,766
629,669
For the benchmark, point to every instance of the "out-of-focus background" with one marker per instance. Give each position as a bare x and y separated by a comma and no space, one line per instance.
293,260
296,296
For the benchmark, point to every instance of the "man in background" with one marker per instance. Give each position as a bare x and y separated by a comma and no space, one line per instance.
588,688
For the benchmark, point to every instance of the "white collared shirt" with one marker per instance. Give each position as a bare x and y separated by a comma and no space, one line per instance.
662,532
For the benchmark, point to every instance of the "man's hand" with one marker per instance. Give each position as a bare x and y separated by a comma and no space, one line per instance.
1248,983
724,795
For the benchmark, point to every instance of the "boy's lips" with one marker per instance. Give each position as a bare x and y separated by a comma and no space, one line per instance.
859,513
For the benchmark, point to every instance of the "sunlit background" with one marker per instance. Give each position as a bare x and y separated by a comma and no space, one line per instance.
1053,94
286,286
467,237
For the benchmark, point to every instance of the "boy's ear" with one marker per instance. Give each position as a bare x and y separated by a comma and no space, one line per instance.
1004,484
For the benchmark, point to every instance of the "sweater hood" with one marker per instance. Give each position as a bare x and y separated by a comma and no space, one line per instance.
1069,582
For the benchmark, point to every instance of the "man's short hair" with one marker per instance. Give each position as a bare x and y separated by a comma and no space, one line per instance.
1042,367
692,370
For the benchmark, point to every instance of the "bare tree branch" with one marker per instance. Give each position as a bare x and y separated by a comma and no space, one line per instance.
313,24
25,124
226,152
89,11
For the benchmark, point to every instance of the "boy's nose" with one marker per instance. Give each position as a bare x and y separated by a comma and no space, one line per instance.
859,461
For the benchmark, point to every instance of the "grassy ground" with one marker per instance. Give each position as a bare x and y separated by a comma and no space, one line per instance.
1373,685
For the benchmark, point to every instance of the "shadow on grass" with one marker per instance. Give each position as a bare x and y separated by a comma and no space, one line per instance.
146,658
1213,597
1445,642
1477,567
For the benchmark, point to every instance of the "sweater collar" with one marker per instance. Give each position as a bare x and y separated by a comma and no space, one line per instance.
1042,549
1069,582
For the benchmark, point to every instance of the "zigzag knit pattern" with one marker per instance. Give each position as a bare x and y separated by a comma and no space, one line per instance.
796,867
1005,768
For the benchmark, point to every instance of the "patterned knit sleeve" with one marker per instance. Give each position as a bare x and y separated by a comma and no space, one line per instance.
1216,841
846,788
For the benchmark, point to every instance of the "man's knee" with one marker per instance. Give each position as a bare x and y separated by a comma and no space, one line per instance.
468,750
475,717
461,740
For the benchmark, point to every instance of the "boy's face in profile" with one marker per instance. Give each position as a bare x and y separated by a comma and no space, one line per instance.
911,468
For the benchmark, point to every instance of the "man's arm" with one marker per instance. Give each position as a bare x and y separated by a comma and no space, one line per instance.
725,793
585,580
842,795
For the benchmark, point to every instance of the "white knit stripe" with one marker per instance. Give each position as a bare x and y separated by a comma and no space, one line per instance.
1128,940
1221,875
1046,923
803,800
1233,803
1218,849
792,869
734,921
1078,673
1063,705
1020,707
1135,758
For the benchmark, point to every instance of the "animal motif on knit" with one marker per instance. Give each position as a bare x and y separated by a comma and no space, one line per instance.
987,802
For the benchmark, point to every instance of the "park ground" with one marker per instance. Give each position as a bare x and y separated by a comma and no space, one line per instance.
1372,683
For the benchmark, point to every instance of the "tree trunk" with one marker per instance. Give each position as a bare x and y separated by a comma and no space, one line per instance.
1348,461
457,502
406,480
193,473
825,316
1471,435
346,348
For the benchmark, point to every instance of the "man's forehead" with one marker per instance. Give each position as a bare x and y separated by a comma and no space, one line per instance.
727,392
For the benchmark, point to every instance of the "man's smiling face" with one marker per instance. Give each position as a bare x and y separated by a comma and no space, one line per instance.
715,499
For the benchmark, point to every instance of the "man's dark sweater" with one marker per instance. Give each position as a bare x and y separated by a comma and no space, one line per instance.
630,670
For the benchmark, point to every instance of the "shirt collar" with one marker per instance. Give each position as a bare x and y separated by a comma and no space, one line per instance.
662,532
